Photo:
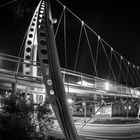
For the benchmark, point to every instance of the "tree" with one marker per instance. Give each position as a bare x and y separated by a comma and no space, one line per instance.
19,119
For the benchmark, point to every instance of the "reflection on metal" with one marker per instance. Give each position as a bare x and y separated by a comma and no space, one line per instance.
41,31
30,50
11,70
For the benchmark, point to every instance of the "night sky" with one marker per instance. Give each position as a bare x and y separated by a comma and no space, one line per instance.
116,22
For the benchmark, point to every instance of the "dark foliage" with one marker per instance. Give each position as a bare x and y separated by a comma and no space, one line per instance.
21,120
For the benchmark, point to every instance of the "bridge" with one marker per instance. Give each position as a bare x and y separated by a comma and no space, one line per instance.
37,70
75,82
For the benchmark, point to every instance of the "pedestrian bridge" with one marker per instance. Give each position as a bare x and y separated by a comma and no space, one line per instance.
11,71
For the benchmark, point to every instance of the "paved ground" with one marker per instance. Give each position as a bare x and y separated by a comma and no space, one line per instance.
107,128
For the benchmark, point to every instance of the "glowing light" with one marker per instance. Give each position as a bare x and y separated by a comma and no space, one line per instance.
107,85
70,101
99,37
82,22
64,6
54,21
85,83
137,92
51,92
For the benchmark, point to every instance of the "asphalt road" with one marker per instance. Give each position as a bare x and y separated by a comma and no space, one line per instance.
107,131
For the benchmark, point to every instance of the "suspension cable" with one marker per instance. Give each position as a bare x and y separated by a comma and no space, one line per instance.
65,37
89,29
128,70
137,74
60,19
7,3
90,51
132,68
98,42
79,40
120,63
108,60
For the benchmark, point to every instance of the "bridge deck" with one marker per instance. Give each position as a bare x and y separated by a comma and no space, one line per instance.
75,82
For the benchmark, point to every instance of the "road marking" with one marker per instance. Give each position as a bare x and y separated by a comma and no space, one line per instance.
95,138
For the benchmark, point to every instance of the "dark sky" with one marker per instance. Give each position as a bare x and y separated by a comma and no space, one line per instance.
116,22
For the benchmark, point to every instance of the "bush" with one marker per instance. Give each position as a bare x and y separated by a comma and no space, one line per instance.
20,119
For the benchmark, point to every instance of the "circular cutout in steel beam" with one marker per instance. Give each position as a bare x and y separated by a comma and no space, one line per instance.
29,42
27,57
44,52
43,42
42,34
33,24
30,35
32,29
45,61
41,27
28,49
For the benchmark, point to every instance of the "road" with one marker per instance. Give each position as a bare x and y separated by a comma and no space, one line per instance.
107,131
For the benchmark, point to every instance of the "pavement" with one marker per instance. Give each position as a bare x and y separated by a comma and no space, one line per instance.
100,131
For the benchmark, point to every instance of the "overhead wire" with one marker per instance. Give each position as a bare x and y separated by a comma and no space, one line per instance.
3,5
77,52
90,51
108,60
96,59
92,32
128,72
65,38
132,68
120,71
60,19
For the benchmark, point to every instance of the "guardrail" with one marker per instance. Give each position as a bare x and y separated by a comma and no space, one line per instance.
12,65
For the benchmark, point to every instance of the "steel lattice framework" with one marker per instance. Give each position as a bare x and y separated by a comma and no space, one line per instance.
40,41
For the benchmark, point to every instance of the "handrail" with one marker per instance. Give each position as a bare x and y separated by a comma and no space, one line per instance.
91,82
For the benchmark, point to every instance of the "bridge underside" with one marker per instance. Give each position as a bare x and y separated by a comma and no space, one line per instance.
115,104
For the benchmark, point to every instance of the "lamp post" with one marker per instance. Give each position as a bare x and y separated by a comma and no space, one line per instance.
85,111
127,107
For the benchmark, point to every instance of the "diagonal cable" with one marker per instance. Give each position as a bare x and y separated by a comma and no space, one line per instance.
77,52
65,37
119,63
137,74
7,3
108,60
128,70
90,51
98,42
132,68
60,19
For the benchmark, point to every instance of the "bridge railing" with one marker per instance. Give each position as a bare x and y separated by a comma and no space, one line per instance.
12,65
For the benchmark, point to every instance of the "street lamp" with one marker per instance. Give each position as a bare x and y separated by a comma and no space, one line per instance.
70,101
85,110
107,85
